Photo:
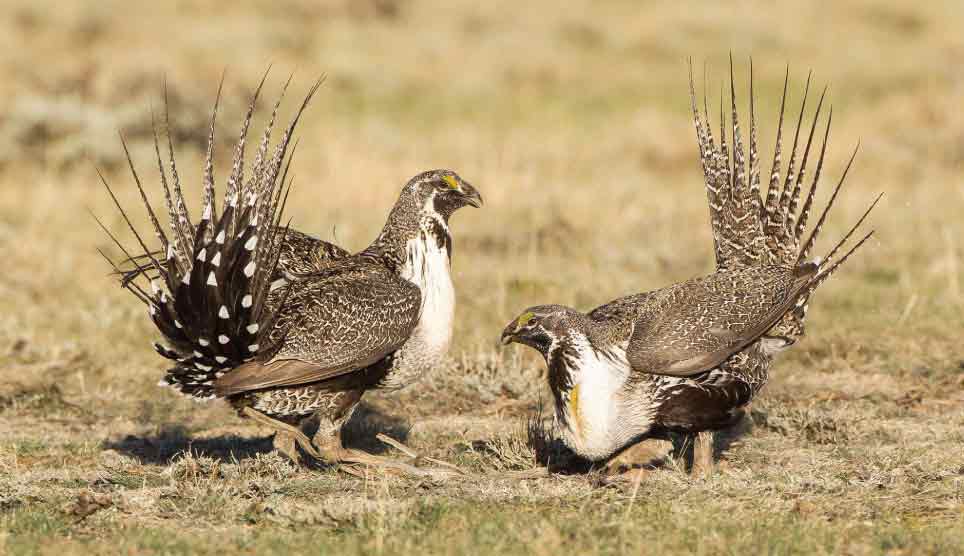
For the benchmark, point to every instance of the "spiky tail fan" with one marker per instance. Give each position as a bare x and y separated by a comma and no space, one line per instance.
750,231
209,297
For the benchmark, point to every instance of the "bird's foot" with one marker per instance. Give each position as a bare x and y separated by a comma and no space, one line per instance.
625,476
354,462
703,455
286,436
644,455
418,460
285,445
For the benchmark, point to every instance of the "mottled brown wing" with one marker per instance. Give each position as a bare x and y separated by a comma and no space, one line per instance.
333,324
697,325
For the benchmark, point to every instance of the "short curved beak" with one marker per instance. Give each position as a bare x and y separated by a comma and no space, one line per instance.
471,195
508,335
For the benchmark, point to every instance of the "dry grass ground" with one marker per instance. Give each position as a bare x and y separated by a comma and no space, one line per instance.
574,124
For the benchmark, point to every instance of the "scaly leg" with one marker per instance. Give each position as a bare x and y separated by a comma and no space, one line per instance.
645,453
328,444
284,443
703,455
286,436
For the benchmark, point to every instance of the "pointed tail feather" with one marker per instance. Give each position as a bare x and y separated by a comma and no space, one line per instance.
796,318
715,175
208,201
210,282
792,325
236,177
815,232
253,187
756,204
785,191
748,230
828,271
808,203
773,188
853,229
176,246
790,243
742,226
183,223
732,192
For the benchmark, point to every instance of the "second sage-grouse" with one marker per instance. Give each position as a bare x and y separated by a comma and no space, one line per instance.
689,357
284,326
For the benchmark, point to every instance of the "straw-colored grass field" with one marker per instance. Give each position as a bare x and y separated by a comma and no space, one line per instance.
574,123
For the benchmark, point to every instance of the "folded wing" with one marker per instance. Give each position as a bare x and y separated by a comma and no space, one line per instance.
346,320
692,327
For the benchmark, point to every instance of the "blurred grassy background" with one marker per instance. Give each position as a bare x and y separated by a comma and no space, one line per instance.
574,123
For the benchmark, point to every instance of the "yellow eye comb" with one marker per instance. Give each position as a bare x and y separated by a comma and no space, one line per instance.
524,319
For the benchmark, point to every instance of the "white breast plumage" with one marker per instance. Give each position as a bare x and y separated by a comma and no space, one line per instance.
427,266
594,405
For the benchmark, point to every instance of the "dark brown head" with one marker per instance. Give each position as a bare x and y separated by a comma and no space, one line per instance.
542,327
424,206
442,192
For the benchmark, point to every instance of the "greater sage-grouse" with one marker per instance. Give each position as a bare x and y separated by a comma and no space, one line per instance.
284,326
689,357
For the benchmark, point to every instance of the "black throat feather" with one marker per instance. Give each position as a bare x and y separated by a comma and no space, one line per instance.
559,359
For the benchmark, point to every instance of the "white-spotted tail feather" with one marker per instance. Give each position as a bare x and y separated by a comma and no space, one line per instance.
209,296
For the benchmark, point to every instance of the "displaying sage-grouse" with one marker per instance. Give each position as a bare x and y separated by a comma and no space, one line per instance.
284,326
688,357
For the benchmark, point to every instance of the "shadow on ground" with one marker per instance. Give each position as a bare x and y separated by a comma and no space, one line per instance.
368,421
160,447
722,440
